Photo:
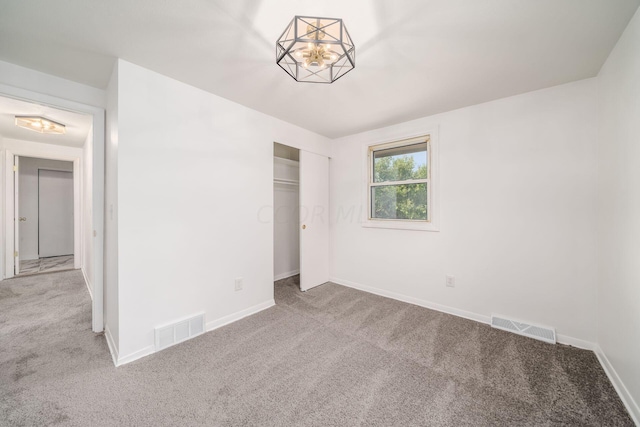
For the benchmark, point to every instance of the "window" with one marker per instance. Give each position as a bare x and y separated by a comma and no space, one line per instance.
399,184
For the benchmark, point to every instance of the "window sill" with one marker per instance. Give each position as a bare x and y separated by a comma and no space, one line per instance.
401,225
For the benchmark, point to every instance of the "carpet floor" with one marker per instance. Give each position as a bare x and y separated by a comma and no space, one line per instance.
332,356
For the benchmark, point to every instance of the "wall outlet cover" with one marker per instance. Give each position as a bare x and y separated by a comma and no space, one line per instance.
450,281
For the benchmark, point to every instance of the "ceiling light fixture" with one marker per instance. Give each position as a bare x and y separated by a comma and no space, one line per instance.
316,50
40,124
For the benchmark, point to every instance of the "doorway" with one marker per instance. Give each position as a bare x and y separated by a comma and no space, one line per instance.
44,205
300,217
82,143
286,211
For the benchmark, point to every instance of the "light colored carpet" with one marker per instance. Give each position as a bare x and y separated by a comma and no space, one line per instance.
332,356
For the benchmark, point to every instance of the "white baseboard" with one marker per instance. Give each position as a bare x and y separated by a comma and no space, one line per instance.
415,301
623,392
285,275
135,355
87,282
113,349
576,342
562,339
210,326
215,324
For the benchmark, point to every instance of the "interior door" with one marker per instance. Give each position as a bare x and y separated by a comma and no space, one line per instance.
16,216
55,213
314,220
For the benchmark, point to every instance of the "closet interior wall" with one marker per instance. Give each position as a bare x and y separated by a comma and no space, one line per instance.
286,203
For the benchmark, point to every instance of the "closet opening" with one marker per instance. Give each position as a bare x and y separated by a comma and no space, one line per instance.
286,215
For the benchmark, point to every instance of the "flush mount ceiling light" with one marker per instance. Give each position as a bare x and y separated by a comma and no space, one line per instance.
40,124
316,50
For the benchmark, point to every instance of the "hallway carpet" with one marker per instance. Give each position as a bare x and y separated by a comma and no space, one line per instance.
332,356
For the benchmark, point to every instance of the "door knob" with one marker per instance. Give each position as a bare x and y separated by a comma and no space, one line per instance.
22,218
304,226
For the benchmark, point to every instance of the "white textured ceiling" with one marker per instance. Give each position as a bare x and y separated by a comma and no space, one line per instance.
414,57
77,125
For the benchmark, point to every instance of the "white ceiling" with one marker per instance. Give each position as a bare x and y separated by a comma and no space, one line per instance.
77,125
413,57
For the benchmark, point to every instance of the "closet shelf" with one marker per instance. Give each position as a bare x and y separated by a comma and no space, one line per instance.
285,181
286,161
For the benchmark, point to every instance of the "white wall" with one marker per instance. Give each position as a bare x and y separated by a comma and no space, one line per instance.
195,197
286,228
517,179
619,213
28,181
111,313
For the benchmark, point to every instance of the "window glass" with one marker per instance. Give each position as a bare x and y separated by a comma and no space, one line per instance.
400,163
404,201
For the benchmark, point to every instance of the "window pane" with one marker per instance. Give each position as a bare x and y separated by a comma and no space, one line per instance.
406,201
400,163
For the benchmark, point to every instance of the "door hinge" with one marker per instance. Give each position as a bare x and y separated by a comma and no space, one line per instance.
15,254
15,168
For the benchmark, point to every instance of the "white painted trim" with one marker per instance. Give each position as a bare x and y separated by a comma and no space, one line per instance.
415,301
215,324
576,342
562,339
113,349
285,275
632,406
434,183
87,282
9,230
135,355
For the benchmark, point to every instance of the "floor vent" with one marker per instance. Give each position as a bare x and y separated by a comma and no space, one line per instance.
182,330
532,331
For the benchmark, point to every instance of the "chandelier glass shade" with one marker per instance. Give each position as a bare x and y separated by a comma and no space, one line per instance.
40,124
316,50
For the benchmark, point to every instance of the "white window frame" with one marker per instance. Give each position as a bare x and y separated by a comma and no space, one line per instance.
433,214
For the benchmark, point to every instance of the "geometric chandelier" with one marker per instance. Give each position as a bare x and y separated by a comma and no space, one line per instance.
316,50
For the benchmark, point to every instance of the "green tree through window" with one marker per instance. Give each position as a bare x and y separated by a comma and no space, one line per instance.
398,200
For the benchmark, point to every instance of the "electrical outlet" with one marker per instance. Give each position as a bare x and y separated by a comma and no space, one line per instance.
450,281
238,283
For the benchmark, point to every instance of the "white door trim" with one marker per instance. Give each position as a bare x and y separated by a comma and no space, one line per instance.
9,212
16,215
97,210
